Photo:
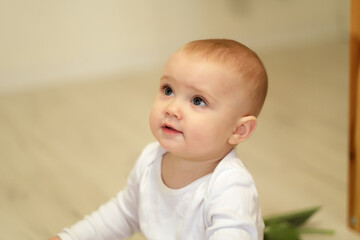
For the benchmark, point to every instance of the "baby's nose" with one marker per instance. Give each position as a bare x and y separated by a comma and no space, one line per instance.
174,110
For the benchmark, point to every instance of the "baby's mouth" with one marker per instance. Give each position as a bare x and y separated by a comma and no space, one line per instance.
170,129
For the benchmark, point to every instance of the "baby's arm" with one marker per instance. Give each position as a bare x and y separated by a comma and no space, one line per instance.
116,219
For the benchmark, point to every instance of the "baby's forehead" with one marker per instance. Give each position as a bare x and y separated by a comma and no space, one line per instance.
241,62
226,79
231,68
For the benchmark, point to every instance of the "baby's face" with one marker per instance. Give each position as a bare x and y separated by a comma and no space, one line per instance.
196,109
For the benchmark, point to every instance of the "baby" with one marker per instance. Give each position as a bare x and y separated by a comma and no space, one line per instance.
190,184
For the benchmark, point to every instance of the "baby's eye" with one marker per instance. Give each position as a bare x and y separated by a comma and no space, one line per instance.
168,91
198,101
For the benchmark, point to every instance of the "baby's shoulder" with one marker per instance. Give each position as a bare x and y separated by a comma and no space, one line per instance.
231,199
231,185
231,176
232,169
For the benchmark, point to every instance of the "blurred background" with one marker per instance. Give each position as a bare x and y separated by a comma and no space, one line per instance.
77,81
45,42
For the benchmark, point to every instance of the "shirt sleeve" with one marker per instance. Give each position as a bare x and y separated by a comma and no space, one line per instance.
232,208
118,218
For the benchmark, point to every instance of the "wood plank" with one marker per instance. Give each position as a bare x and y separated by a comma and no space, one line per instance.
354,165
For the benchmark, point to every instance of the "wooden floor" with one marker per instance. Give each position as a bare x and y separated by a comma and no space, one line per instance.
66,150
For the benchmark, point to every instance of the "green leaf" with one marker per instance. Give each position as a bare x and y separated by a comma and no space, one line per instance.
316,231
281,231
296,219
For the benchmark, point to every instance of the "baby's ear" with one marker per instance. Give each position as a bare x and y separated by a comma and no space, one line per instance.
244,129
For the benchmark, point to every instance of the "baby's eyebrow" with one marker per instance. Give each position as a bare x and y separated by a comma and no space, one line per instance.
166,78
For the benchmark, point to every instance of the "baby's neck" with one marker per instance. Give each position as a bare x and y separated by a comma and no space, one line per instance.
177,172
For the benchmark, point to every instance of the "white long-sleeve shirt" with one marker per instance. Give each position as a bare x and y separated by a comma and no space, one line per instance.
221,205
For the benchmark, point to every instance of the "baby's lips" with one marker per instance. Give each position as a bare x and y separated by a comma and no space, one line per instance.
170,128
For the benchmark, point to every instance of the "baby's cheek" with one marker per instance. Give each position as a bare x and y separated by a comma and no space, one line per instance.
210,133
200,135
154,119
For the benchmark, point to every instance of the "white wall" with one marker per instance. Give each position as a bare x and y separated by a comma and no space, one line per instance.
45,42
